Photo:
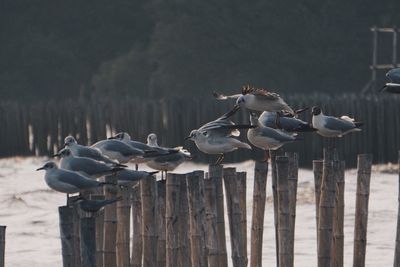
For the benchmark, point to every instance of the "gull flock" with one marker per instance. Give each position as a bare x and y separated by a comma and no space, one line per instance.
272,124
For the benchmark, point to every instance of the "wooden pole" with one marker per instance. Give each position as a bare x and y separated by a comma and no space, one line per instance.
195,193
88,241
76,234
136,258
148,189
273,155
285,256
360,229
110,223
234,215
257,225
2,245
184,250
292,187
326,206
66,233
171,217
338,215
123,227
215,173
210,197
99,232
161,205
397,248
241,176
317,168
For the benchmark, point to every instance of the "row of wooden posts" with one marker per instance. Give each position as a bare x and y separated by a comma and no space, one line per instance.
180,221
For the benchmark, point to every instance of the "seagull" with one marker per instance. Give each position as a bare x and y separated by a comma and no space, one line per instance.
127,176
258,100
329,126
217,137
394,85
85,151
267,138
65,181
91,205
85,166
169,158
118,150
287,123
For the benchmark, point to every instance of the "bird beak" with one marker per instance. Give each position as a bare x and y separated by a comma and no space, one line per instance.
187,138
56,155
236,107
65,144
111,137
41,168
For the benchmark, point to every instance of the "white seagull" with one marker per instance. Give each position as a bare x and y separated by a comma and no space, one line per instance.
218,136
284,122
329,126
258,100
394,85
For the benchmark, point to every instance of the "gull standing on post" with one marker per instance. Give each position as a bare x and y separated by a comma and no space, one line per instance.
394,85
217,137
258,100
287,123
329,126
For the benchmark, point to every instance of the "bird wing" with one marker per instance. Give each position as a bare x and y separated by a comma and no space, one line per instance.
220,96
337,124
74,179
260,92
276,134
394,75
120,147
88,166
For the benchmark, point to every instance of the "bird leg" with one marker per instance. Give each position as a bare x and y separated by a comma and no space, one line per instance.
136,166
67,200
162,175
266,155
220,159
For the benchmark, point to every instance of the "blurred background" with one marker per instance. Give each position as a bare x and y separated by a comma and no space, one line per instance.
89,68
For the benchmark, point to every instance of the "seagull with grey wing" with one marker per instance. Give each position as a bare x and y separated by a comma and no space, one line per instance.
258,100
87,152
218,136
118,150
267,138
85,166
126,176
94,205
284,122
394,85
329,126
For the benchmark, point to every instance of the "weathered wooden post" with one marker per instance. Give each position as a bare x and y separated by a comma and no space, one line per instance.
317,169
241,178
235,216
285,256
183,224
360,229
136,258
292,187
110,223
325,223
273,155
161,220
148,189
66,234
215,173
171,218
88,240
2,245
99,232
195,187
338,223
76,239
257,225
123,227
210,198
397,247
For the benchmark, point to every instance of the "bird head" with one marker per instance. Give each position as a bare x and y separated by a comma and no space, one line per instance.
316,111
69,141
48,166
152,139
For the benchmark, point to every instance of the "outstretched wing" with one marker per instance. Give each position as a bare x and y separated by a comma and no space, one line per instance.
260,92
220,96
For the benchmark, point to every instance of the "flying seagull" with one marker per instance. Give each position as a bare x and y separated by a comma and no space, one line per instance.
257,99
329,126
394,85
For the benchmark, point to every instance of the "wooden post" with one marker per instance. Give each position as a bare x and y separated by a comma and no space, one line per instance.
136,258
66,234
195,193
76,234
123,227
88,241
257,225
215,173
2,245
338,235
171,218
183,224
317,168
273,155
325,223
148,189
210,198
234,215
282,167
110,223
292,187
161,243
360,229
397,248
241,176
99,232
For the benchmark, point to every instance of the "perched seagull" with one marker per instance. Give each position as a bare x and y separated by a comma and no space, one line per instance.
85,166
126,176
169,158
85,151
286,122
90,205
394,85
118,150
267,138
65,181
258,100
217,137
329,126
